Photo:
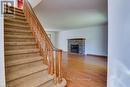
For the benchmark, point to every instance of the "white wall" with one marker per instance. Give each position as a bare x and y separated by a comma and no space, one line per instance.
119,43
96,39
2,69
53,37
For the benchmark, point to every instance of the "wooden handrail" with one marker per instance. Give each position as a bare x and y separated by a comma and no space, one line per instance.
42,29
52,56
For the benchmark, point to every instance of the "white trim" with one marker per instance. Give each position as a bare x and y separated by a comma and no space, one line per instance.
2,65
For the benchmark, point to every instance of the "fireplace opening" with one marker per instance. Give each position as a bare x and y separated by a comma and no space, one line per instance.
75,48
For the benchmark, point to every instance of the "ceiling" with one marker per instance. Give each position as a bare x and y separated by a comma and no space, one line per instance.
34,2
71,14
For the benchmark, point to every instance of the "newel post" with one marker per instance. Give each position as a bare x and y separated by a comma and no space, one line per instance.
57,65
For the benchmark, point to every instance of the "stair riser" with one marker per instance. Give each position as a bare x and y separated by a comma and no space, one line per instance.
23,55
19,26
24,75
19,47
15,17
20,18
36,80
18,14
18,30
21,52
19,43
18,40
24,61
18,37
34,68
15,33
15,21
14,9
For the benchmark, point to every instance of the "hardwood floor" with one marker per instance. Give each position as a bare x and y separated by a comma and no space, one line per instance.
84,71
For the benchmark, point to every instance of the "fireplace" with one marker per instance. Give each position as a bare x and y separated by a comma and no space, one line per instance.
76,45
75,48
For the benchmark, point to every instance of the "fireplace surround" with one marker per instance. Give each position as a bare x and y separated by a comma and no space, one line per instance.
76,45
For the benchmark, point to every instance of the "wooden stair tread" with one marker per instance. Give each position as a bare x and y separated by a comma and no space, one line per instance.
11,7
16,12
16,17
33,80
51,83
19,39
19,71
7,19
19,14
21,60
22,55
16,25
17,47
13,52
17,30
18,33
20,43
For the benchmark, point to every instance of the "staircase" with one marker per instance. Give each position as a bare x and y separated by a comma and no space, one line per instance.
26,66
